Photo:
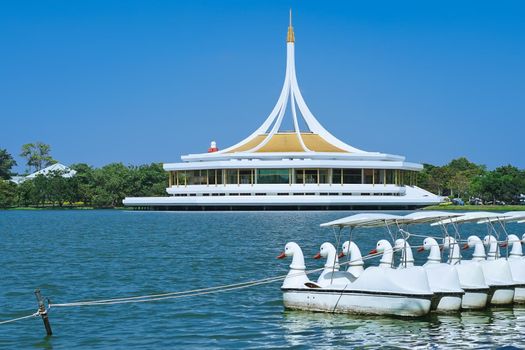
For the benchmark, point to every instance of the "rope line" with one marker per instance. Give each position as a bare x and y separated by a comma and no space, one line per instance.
20,318
183,294
201,291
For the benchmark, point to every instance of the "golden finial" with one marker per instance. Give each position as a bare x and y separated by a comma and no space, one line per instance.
290,38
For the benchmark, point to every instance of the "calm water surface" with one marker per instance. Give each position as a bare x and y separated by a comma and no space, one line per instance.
79,255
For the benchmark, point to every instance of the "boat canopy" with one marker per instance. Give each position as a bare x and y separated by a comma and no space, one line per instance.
421,217
366,220
510,216
478,216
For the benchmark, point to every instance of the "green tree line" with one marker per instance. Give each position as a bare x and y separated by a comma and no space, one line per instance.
109,185
103,187
466,180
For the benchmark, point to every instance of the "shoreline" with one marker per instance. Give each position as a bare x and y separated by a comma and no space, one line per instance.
516,207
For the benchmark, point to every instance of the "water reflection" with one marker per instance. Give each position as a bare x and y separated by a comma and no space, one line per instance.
480,329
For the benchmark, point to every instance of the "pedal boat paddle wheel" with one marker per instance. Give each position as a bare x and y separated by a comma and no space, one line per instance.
378,290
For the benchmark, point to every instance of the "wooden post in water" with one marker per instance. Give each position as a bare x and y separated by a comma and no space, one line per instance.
43,312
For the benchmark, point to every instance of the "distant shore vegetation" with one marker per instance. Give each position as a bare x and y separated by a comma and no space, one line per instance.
105,187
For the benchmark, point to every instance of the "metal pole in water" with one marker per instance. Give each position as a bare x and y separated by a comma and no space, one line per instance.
43,312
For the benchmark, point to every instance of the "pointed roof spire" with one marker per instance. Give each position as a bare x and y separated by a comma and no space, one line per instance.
290,38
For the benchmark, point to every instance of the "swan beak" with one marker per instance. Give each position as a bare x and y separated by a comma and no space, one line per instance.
317,256
465,247
373,251
341,255
281,256
420,249
504,244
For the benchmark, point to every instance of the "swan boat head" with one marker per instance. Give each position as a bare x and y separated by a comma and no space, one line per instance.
384,246
491,243
516,250
296,277
328,252
476,243
356,263
353,252
450,244
430,244
407,258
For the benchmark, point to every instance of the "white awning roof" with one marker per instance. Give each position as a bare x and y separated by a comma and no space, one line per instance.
366,220
511,216
477,216
430,216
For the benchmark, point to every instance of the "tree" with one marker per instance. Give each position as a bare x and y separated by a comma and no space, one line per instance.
82,184
111,183
6,163
504,183
37,155
7,194
462,174
26,194
147,180
57,187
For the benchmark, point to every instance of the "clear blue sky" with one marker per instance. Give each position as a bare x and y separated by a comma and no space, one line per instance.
147,81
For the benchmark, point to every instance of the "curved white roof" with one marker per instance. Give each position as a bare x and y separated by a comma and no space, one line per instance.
269,142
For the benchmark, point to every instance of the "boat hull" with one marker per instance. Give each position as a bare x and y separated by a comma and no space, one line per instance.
502,295
357,302
519,294
475,299
449,302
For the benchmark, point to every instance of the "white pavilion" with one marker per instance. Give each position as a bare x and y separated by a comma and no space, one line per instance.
290,170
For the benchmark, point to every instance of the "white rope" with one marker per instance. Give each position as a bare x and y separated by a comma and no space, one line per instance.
197,292
20,318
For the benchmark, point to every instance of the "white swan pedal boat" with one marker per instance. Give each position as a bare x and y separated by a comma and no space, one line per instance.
408,290
452,275
375,291
496,270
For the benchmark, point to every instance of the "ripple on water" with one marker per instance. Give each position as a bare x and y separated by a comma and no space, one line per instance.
83,255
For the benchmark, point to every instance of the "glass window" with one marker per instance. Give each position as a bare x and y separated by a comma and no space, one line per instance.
219,176
213,177
231,176
181,178
377,177
336,176
323,176
310,176
196,177
352,176
368,176
273,176
245,176
390,178
299,176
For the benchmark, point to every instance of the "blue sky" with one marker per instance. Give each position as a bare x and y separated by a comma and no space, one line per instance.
147,81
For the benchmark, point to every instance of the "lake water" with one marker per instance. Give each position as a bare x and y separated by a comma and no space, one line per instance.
82,255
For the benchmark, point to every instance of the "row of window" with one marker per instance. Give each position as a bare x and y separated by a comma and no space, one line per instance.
283,194
292,176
